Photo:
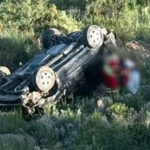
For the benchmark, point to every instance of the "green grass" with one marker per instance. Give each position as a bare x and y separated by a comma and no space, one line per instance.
17,47
71,129
77,124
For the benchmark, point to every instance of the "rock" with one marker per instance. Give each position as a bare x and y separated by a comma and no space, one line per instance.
139,46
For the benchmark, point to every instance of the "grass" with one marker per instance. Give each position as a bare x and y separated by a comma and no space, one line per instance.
125,128
78,123
17,47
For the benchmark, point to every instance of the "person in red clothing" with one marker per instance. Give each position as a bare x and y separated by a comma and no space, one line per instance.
118,73
110,72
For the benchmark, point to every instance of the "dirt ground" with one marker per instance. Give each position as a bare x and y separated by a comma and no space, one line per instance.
139,46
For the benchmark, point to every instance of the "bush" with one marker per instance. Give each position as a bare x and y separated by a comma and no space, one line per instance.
126,17
17,47
31,14
16,142
21,26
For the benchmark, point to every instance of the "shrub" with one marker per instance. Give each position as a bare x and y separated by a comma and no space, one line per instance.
17,47
31,14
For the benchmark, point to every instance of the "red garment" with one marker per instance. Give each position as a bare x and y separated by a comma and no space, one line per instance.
110,81
124,77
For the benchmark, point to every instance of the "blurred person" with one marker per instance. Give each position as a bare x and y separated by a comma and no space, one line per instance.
120,73
129,76
110,72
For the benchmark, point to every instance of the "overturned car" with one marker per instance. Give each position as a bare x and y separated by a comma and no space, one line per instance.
56,71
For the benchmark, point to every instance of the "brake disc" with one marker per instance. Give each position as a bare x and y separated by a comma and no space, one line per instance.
44,79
